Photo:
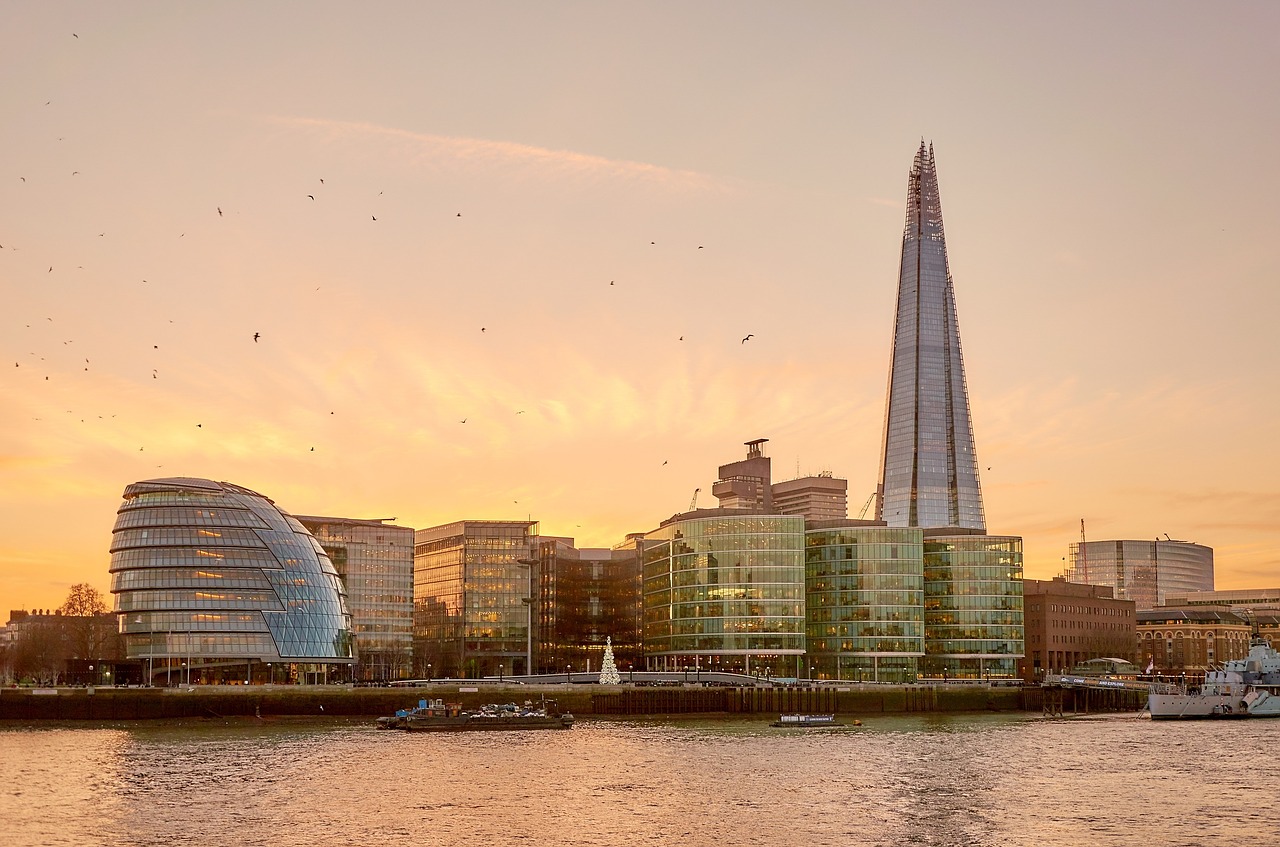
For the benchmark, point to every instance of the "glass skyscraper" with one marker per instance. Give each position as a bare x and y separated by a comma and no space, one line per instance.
929,470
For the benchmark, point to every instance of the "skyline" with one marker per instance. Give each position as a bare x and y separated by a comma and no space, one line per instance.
561,194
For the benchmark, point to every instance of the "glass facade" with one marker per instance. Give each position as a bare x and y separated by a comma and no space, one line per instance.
929,468
375,561
724,590
584,598
865,602
973,625
473,584
210,578
1146,572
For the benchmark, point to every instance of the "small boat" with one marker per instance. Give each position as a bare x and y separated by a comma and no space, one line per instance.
439,716
1242,688
811,722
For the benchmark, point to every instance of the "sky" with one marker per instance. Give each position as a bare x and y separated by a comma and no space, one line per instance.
499,259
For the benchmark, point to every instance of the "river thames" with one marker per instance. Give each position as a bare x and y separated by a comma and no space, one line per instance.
1008,779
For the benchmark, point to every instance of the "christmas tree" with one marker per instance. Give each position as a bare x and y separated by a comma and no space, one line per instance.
608,670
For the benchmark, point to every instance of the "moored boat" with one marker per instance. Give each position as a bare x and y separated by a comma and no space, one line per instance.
1242,688
811,722
439,716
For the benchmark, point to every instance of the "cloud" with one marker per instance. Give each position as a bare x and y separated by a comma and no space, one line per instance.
433,150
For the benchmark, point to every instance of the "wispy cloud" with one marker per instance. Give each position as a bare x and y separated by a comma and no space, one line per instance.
433,150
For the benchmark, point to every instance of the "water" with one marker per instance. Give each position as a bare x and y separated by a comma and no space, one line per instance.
930,780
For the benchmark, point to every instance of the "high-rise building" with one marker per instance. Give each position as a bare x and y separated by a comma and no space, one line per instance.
587,598
474,585
748,484
929,469
375,560
1146,572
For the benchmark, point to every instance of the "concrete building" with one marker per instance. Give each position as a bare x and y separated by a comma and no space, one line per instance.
375,560
1068,623
748,485
474,588
1147,572
214,583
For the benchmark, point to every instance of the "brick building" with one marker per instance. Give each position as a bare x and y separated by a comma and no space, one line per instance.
1068,623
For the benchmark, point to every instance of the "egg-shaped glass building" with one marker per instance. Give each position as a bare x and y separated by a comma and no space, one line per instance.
214,583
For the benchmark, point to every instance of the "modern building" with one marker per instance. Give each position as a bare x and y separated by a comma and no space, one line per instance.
1146,572
820,497
214,583
973,625
748,484
375,560
1178,641
724,589
929,468
1067,623
474,588
587,598
1236,600
864,600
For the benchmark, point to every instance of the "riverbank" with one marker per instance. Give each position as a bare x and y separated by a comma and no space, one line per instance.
203,701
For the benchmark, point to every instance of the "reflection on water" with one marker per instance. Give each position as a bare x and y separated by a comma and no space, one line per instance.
933,780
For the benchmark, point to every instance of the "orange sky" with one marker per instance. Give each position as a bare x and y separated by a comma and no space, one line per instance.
1108,179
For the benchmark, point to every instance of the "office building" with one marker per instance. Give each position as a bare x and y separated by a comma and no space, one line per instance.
474,587
587,598
1067,623
929,468
864,601
1146,572
973,625
214,583
724,589
375,560
748,484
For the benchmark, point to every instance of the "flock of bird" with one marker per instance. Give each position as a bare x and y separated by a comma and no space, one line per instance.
257,336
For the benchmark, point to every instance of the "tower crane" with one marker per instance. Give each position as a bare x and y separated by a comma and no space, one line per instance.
866,505
693,504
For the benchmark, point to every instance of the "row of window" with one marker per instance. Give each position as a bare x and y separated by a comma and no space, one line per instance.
188,578
188,517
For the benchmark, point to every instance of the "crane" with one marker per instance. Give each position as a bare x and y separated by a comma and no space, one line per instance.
866,505
693,504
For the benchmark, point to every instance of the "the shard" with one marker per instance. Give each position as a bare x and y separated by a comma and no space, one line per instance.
929,469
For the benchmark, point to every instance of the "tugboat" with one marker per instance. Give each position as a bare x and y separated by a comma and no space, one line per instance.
811,722
439,716
1242,688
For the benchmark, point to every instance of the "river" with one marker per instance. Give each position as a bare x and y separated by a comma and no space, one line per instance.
931,780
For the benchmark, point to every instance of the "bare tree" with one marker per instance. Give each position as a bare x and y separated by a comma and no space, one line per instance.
89,626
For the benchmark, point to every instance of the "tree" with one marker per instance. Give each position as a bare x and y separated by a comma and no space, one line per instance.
90,627
84,601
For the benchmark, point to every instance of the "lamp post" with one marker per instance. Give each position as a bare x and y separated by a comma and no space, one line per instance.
428,671
499,673
567,677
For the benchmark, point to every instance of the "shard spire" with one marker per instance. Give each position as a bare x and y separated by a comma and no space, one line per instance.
929,468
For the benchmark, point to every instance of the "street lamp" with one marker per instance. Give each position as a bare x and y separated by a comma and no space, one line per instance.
499,673
567,677
428,671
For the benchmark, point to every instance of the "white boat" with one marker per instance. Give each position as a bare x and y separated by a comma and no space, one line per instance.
1243,688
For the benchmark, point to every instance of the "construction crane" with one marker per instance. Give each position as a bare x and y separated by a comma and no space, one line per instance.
693,504
866,505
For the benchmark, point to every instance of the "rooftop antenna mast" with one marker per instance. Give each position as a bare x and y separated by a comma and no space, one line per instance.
1084,556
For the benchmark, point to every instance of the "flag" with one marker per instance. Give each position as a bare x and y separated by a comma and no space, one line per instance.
1151,665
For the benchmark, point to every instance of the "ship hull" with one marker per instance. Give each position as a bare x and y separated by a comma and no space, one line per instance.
1210,706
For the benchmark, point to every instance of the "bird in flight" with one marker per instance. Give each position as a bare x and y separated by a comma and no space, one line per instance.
199,426
682,338
664,462
322,182
219,211
375,217
256,336
464,420
748,338
313,449
312,196
482,329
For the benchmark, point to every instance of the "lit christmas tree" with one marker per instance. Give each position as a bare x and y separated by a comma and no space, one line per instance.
608,670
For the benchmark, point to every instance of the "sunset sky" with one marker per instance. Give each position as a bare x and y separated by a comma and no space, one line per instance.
510,213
